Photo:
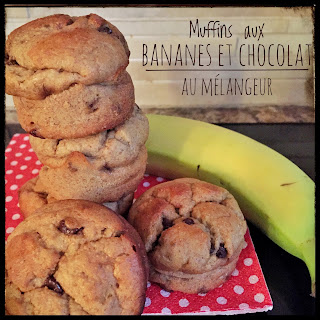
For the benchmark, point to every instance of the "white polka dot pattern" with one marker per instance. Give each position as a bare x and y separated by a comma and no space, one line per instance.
222,300
235,272
183,302
248,262
16,216
202,294
253,279
9,230
204,308
259,297
238,289
164,293
166,311
147,302
245,290
20,166
146,184
243,306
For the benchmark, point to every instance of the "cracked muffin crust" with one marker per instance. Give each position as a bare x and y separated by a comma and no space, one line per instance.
50,54
30,200
78,111
193,232
75,257
79,179
112,148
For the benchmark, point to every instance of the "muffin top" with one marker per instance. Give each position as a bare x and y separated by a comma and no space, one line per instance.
188,225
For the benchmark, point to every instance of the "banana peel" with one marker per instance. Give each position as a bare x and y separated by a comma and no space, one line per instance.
273,193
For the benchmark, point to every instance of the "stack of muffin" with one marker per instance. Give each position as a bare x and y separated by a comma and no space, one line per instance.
77,257
74,97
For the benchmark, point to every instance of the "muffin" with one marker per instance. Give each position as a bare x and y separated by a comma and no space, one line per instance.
75,257
79,179
193,232
48,55
78,111
112,148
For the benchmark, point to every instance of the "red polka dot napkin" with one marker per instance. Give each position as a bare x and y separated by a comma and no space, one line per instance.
245,292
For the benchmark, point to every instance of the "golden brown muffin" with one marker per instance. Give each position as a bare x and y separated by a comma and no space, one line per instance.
193,232
75,257
79,179
78,111
50,54
111,148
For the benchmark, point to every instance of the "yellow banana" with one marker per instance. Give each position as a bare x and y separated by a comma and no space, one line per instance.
274,194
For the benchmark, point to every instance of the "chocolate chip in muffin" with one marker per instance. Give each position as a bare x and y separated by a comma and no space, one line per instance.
71,168
107,168
212,248
92,105
222,251
89,156
203,290
36,134
69,22
156,243
53,284
166,223
119,234
188,221
64,229
46,91
12,62
43,195
105,28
